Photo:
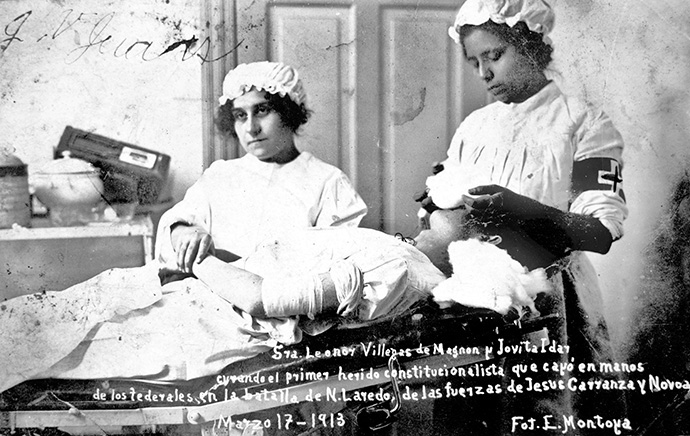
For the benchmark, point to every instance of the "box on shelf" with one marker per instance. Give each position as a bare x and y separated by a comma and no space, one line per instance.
130,173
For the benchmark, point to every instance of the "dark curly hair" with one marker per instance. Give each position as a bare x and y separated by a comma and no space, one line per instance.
291,114
528,43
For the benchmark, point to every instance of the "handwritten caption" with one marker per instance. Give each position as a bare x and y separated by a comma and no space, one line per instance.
456,372
99,40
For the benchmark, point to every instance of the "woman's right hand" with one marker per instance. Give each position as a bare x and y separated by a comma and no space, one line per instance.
191,244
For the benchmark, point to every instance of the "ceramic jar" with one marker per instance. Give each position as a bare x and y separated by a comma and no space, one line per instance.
14,192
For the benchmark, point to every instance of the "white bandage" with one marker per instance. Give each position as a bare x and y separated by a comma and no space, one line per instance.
349,287
290,296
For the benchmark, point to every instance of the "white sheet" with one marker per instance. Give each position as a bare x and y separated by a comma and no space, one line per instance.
39,329
123,324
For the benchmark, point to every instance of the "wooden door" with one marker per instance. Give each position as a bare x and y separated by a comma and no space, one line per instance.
386,84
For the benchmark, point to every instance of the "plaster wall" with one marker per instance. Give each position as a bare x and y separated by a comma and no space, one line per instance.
632,57
102,67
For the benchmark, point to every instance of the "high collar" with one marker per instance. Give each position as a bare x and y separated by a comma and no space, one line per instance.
256,163
544,96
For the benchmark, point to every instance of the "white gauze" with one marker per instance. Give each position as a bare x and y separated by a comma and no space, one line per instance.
349,287
290,296
485,276
447,188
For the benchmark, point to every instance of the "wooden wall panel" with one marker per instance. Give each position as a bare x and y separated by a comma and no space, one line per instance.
318,40
421,76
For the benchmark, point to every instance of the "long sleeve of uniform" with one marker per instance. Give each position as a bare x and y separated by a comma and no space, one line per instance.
340,204
241,202
194,209
538,147
597,186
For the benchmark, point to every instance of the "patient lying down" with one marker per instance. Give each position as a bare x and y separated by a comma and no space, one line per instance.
124,324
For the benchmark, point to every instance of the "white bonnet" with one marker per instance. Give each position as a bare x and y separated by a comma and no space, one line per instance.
537,14
272,77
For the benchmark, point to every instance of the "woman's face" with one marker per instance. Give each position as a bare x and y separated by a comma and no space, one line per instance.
509,76
260,130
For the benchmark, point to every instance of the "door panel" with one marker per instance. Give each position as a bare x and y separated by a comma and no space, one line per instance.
386,84
418,111
323,54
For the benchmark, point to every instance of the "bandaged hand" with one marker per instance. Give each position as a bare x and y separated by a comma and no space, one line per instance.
191,244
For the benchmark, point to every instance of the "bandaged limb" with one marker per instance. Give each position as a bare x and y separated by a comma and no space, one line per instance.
289,296
339,290
559,232
349,287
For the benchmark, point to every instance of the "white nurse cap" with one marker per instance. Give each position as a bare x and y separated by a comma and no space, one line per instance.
272,77
537,14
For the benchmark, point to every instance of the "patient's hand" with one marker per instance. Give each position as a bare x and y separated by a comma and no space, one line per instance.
191,244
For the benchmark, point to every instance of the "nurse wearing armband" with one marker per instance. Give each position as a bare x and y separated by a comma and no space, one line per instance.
547,164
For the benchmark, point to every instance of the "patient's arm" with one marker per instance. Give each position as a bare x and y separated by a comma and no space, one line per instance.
239,287
243,289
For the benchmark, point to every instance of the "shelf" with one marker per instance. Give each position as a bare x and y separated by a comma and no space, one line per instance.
41,228
44,258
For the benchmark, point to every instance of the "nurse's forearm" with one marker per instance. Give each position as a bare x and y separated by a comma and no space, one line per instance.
561,231
556,230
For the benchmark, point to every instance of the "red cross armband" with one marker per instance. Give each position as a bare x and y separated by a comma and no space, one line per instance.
597,174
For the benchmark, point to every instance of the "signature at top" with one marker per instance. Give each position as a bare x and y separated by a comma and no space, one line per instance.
103,42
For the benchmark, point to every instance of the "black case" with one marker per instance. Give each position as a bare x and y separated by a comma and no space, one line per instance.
130,173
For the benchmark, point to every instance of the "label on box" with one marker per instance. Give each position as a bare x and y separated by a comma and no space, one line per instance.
139,158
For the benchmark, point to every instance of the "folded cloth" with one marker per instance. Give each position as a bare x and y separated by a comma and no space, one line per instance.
40,329
190,332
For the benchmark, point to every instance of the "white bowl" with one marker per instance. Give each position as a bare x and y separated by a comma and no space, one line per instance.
68,182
